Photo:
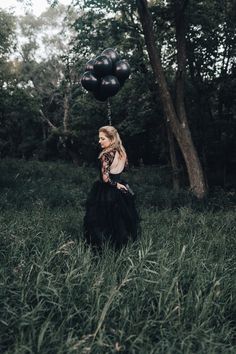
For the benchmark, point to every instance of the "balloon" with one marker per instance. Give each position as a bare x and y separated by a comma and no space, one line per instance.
122,70
100,96
109,85
89,81
102,66
105,74
111,54
89,65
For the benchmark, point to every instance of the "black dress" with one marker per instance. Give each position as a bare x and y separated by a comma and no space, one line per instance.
110,213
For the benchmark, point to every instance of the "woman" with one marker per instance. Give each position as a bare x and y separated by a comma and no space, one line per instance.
110,211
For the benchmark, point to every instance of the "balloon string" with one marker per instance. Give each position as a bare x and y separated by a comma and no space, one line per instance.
109,111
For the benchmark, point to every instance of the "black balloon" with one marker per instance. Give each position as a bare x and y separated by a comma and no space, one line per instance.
122,70
109,85
89,81
111,54
105,74
102,66
89,65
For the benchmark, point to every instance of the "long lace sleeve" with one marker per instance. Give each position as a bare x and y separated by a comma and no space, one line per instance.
106,161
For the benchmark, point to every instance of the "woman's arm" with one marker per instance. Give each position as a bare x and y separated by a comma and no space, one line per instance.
106,161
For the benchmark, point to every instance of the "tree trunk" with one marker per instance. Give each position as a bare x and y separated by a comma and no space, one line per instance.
66,110
173,159
176,118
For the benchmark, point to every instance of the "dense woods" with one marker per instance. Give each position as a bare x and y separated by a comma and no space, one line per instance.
177,109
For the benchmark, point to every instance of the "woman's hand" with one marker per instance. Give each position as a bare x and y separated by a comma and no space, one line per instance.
121,186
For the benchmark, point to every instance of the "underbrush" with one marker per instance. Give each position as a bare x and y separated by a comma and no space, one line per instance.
172,291
62,184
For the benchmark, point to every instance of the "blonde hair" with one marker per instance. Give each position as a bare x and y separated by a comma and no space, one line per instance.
116,143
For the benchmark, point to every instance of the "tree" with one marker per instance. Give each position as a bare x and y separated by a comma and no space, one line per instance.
211,34
175,114
7,33
48,70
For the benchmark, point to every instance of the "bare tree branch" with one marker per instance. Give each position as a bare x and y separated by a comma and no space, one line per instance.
45,119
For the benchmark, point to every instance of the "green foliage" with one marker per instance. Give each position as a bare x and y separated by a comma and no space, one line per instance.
214,20
35,83
136,109
21,129
7,27
172,291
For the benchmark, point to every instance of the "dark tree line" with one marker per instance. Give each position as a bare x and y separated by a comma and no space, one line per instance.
178,107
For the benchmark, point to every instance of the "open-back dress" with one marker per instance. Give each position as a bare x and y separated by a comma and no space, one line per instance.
110,214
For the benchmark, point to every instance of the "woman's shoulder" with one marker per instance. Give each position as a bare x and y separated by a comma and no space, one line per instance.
108,155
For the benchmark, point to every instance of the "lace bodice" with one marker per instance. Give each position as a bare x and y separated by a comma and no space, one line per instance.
112,163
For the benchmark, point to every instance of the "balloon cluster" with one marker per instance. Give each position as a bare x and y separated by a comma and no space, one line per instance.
105,75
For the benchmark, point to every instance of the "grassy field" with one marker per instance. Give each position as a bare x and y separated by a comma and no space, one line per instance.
170,292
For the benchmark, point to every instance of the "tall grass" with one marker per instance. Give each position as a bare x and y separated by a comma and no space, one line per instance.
172,291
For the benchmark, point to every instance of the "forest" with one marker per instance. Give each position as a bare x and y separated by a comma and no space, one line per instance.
47,115
172,291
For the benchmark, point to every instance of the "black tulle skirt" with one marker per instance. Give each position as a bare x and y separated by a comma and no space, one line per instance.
110,215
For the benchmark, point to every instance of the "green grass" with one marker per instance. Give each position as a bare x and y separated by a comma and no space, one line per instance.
170,292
